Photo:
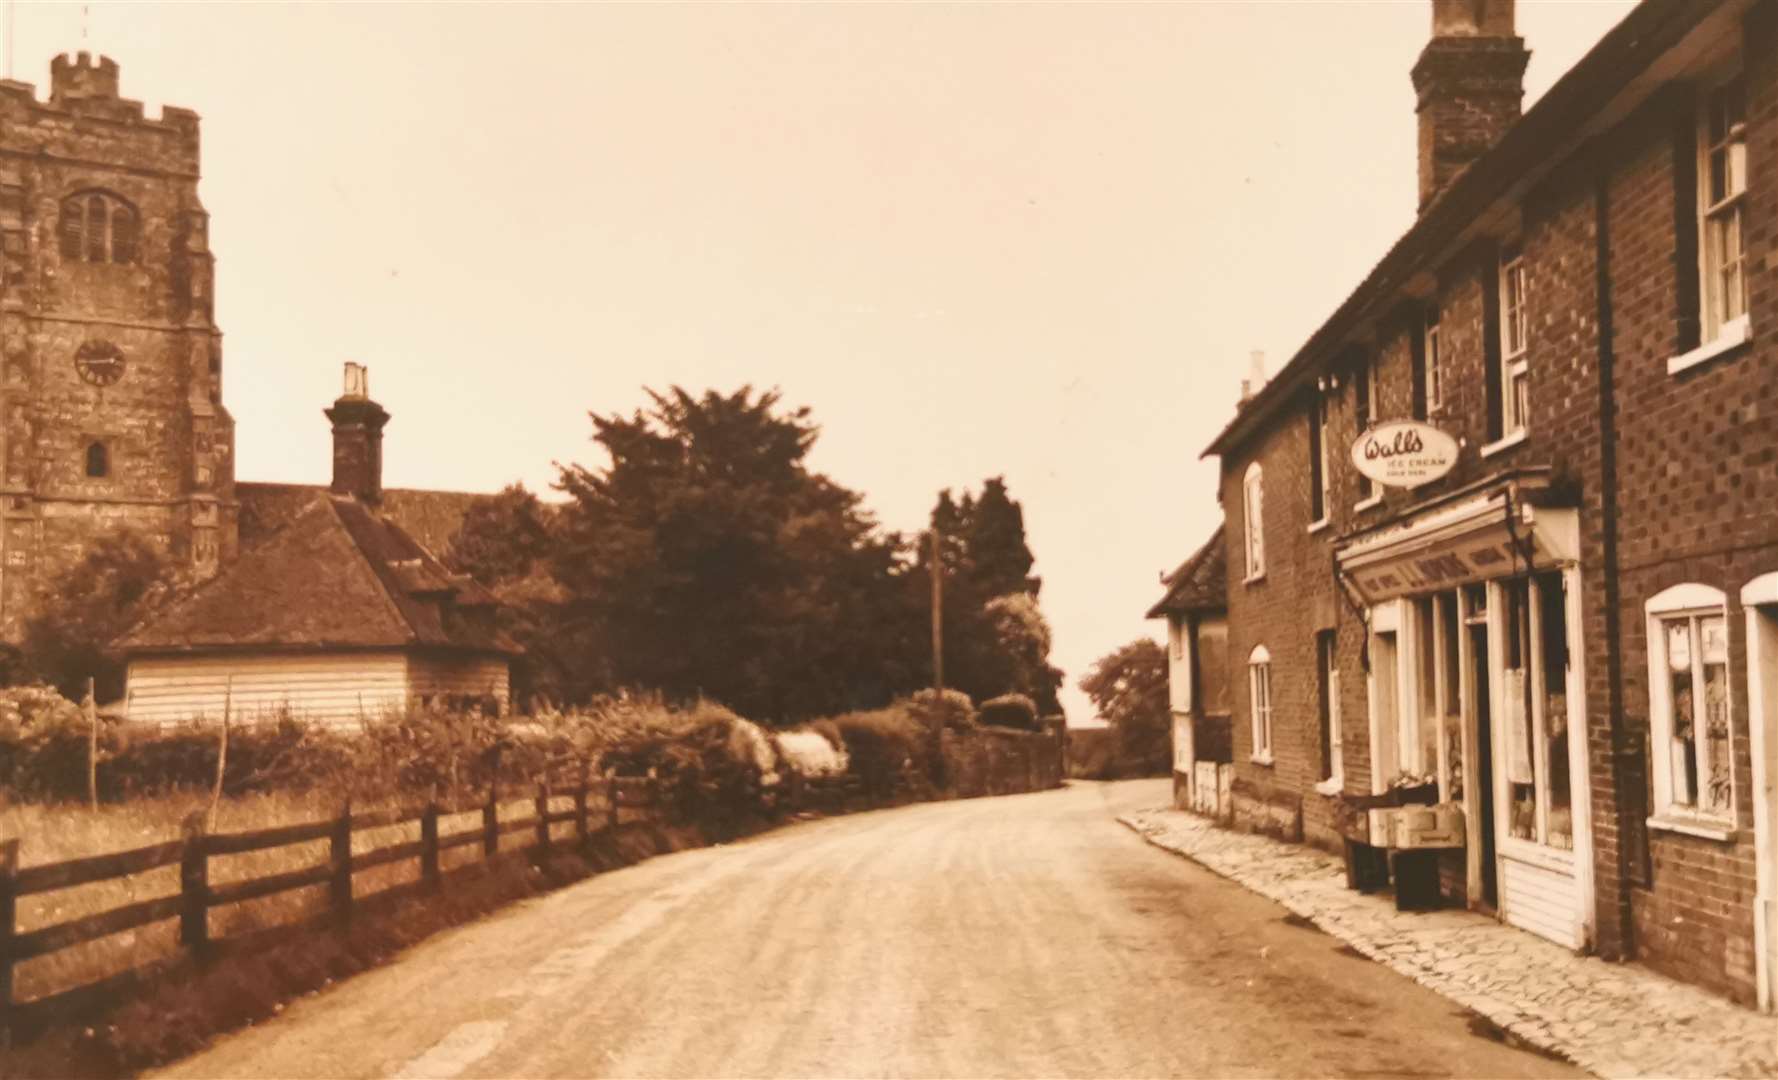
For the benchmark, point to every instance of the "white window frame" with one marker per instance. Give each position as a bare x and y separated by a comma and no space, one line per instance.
1254,521
1723,304
1515,346
1321,443
1435,383
1373,491
1259,703
1675,810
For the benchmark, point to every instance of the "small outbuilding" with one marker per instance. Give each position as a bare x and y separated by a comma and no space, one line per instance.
339,617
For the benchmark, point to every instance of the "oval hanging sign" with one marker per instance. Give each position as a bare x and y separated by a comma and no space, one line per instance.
1404,453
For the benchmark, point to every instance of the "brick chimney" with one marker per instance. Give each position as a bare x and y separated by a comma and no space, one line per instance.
358,439
1470,83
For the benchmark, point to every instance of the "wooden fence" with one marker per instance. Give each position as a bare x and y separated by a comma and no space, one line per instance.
196,897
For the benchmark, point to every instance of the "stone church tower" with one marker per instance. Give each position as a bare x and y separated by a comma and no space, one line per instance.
111,411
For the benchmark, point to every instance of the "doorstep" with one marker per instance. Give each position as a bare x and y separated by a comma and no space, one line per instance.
1615,1020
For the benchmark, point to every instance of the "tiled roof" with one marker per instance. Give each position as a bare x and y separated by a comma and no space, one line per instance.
337,575
430,517
1199,584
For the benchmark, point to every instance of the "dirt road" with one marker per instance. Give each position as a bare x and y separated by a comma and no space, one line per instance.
1021,936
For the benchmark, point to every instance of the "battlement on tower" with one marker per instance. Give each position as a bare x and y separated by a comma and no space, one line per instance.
86,117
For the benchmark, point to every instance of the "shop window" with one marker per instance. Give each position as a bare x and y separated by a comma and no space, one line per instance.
98,227
98,461
1689,707
1450,658
1386,712
1252,499
1427,721
1534,705
1518,711
1332,738
1259,688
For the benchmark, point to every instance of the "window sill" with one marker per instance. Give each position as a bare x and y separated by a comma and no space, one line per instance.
1506,443
1731,337
1362,505
1708,828
1262,759
1254,579
1331,787
1317,526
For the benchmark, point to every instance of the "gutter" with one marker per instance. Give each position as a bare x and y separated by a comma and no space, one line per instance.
1523,154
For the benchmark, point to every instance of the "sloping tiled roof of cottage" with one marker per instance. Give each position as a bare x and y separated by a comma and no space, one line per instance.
337,575
1199,584
431,517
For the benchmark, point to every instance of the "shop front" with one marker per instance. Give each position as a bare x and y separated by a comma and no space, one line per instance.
1474,633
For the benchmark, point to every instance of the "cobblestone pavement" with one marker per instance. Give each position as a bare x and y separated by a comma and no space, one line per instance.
1611,1019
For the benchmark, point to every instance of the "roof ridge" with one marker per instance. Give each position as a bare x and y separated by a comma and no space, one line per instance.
378,573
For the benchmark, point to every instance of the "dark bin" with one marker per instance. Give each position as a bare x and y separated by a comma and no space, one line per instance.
1367,867
1416,880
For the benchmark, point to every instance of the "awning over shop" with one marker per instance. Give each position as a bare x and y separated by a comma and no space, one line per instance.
1474,540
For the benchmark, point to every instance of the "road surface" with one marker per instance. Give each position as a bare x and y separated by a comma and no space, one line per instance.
1027,935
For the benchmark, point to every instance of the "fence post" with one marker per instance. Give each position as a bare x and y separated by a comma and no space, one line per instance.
9,868
581,827
543,817
429,844
491,823
339,850
194,886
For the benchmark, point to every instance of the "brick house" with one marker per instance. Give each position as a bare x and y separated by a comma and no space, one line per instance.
1195,606
1573,631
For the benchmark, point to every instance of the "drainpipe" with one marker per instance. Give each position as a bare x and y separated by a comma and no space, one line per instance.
1608,512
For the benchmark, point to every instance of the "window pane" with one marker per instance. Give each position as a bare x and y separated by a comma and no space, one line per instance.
1553,607
1679,686
1716,792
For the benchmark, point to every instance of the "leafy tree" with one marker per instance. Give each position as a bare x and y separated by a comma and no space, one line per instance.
1129,688
503,537
68,639
708,559
996,640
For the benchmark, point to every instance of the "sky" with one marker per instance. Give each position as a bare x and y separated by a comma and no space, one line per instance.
1036,241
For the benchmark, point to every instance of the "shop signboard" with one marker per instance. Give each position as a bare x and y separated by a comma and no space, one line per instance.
1404,453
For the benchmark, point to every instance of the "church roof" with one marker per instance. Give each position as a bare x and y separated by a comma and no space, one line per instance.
337,575
1199,584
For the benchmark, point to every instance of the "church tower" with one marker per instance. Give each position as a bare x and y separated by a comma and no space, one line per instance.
111,411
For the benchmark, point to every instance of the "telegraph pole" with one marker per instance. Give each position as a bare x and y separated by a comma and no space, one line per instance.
938,609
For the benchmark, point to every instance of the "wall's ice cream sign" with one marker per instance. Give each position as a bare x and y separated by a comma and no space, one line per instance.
1404,453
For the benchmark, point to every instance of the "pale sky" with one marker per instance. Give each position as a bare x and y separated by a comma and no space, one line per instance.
977,239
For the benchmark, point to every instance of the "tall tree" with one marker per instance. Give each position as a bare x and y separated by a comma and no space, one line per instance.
1129,688
999,558
68,640
708,558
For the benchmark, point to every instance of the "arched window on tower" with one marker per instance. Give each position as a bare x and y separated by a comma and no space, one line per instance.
98,461
97,226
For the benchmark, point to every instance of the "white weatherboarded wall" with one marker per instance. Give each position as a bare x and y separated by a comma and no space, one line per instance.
332,688
429,676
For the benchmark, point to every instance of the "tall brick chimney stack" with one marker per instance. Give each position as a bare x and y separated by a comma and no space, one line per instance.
358,439
1470,83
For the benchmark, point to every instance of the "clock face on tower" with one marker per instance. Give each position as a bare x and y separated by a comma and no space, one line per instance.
99,362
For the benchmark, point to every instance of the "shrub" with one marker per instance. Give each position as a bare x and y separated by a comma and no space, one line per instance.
810,755
1010,710
707,774
941,710
889,749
